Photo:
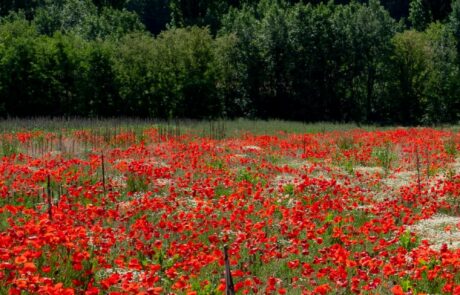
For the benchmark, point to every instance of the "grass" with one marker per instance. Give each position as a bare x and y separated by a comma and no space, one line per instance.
215,128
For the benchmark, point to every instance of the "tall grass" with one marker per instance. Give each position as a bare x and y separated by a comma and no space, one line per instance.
214,128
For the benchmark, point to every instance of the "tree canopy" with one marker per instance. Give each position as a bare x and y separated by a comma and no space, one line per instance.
363,61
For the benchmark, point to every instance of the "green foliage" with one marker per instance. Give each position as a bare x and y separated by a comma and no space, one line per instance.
454,22
318,58
112,23
186,85
419,15
450,146
136,183
426,75
101,93
83,18
289,189
367,32
9,148
170,76
385,156
134,64
304,60
231,75
411,58
345,143
408,241
222,191
64,16
245,175
20,67
441,99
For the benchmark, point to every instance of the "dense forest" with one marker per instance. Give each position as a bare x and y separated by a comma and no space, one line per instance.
387,62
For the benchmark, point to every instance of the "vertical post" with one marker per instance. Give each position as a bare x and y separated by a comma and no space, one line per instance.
304,141
50,213
428,163
103,173
419,180
229,287
59,194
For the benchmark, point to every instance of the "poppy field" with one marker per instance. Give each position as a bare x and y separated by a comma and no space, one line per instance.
148,212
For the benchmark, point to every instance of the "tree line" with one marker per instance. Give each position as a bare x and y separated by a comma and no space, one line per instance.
361,61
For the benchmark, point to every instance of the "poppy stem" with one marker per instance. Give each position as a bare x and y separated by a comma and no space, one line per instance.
419,180
304,140
50,205
103,173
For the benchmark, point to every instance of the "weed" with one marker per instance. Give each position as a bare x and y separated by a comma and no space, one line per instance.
408,241
385,157
450,146
345,143
136,183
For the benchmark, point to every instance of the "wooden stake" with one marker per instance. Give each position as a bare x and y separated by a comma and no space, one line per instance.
103,173
419,180
50,205
229,287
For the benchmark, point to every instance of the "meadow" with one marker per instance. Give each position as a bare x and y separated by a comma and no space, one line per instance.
145,207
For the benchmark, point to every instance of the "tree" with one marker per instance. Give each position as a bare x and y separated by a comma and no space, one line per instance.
185,78
100,91
275,50
204,12
18,79
134,62
419,15
231,77
64,16
83,18
245,58
111,23
326,60
423,12
426,76
366,31
454,23
314,36
441,97
411,57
